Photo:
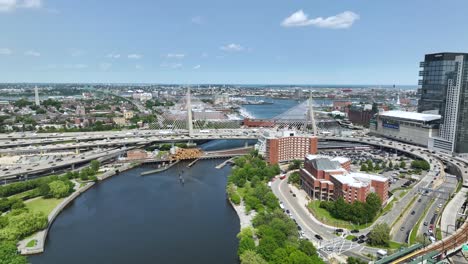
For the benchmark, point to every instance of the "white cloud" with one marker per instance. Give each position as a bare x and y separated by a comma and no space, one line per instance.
5,51
175,56
11,5
139,67
197,20
105,66
171,65
32,53
300,19
113,56
196,67
232,47
204,55
135,56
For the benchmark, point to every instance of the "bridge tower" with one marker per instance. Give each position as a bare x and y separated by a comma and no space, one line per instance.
189,113
311,115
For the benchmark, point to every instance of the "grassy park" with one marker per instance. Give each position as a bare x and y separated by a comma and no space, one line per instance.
43,205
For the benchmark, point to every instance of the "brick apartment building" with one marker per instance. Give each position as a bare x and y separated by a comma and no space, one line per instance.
287,146
325,178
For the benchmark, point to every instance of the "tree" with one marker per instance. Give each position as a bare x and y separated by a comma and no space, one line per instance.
298,257
377,167
402,164
59,189
294,178
9,254
250,257
266,247
84,175
363,167
95,165
390,165
307,247
380,235
245,243
296,164
44,190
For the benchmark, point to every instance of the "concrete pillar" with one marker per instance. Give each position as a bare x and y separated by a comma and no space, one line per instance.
311,115
77,151
189,113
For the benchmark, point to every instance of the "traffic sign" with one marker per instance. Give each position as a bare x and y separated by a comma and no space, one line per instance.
465,247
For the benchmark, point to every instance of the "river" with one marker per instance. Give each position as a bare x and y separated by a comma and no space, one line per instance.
148,219
277,106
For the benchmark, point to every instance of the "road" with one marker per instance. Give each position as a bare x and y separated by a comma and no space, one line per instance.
331,243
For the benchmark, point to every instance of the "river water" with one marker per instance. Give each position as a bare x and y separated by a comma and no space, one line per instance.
277,106
148,219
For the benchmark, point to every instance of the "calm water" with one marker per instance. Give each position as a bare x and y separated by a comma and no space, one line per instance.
151,219
278,107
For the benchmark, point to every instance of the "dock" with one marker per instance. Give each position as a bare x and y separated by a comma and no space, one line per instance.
159,169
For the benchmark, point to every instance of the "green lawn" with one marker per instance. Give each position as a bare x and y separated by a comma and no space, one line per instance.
32,243
350,237
43,205
325,217
392,245
22,194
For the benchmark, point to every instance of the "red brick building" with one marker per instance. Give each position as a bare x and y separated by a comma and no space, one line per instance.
258,123
287,146
325,178
136,154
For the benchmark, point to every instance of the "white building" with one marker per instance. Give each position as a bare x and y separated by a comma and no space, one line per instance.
410,127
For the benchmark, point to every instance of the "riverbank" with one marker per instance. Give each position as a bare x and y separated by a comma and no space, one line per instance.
24,246
245,218
35,244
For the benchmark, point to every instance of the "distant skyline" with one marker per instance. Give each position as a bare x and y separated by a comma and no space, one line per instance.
238,42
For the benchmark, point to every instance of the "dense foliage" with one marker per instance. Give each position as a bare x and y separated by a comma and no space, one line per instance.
294,178
295,165
356,212
9,255
274,238
420,164
353,260
380,235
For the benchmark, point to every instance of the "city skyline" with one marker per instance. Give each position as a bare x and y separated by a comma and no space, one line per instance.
300,42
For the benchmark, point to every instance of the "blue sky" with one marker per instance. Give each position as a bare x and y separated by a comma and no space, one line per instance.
221,41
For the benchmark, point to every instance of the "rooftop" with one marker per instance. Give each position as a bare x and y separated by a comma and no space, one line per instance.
410,115
357,179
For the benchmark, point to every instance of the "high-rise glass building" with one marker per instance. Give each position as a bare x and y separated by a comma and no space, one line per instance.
444,91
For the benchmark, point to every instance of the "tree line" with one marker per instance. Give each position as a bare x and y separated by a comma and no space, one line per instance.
274,232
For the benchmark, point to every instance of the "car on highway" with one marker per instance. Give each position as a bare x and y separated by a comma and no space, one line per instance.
425,223
413,212
360,241
354,231
402,228
317,236
355,239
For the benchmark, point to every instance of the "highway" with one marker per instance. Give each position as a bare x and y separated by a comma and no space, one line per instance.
117,142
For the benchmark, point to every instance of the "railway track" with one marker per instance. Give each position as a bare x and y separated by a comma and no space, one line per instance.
460,237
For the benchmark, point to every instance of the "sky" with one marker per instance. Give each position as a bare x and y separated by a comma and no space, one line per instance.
222,41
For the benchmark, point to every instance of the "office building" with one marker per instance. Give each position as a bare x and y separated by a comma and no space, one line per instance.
36,96
410,127
444,91
286,146
325,178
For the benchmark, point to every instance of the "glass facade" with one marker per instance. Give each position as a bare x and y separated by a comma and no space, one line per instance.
444,91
